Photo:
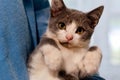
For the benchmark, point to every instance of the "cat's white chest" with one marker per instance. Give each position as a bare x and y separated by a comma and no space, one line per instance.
72,55
72,59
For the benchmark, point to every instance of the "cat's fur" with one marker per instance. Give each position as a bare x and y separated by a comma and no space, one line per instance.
66,48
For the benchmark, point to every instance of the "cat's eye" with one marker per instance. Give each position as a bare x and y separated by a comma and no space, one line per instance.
61,26
80,30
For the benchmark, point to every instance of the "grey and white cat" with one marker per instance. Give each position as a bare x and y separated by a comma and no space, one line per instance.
65,45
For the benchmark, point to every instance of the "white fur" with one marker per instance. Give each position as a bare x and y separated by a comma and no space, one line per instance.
69,59
72,59
39,70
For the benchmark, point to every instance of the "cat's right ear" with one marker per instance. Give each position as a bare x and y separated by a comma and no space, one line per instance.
95,15
57,6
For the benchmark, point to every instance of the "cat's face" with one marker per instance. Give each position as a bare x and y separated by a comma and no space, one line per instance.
72,28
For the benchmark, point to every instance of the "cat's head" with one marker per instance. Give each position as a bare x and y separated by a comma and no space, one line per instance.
72,28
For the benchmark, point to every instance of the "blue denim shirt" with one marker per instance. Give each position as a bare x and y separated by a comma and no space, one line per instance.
22,22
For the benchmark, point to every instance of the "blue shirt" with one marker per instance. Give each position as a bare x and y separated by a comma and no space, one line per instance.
21,25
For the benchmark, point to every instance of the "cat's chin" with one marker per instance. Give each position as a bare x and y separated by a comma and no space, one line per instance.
66,44
71,45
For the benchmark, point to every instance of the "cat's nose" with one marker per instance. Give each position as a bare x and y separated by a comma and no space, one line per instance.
69,37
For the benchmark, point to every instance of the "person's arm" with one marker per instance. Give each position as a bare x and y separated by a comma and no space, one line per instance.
94,77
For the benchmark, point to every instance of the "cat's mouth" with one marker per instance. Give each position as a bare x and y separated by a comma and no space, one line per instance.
65,44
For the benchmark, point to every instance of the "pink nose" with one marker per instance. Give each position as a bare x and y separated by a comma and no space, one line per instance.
69,37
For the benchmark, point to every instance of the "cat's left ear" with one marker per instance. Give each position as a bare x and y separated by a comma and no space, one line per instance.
57,6
95,15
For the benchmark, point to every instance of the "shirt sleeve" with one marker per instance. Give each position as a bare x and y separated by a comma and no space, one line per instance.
94,77
42,11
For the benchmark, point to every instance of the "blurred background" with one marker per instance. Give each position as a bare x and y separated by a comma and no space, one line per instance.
106,35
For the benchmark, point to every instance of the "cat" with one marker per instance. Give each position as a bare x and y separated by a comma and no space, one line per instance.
64,47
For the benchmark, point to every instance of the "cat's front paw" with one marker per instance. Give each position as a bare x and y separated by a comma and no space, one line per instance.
92,60
53,61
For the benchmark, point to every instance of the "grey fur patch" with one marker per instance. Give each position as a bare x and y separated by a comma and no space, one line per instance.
45,40
93,48
95,15
62,74
57,7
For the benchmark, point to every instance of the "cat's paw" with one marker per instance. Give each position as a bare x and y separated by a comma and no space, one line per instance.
92,60
53,60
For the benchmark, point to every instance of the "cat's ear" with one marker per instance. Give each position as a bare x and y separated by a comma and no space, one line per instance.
57,6
95,15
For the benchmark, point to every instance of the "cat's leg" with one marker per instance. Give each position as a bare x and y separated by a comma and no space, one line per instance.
91,62
43,75
37,68
52,56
